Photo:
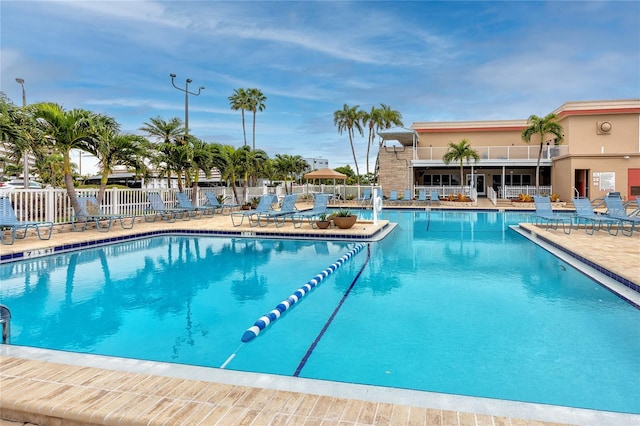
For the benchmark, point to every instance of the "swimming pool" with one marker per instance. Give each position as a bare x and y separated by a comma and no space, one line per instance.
451,302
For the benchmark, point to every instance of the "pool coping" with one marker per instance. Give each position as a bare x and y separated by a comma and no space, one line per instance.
350,391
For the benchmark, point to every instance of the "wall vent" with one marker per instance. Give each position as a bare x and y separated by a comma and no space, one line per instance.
603,127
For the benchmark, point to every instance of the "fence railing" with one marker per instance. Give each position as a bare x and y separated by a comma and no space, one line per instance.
493,153
515,191
54,205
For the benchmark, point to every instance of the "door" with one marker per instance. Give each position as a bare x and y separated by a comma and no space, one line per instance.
478,183
581,179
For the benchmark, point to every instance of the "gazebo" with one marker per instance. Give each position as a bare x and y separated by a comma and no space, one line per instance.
326,173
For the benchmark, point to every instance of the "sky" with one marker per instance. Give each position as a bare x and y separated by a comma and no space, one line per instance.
429,60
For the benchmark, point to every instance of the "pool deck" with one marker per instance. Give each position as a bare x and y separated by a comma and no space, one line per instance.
61,388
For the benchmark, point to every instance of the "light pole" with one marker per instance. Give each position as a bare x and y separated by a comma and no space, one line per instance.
25,164
186,100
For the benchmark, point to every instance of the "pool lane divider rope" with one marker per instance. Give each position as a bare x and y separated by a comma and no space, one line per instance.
306,356
264,321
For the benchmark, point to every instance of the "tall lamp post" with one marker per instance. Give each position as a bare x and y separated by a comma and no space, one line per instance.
25,164
186,100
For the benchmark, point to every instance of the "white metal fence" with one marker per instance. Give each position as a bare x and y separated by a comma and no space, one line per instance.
515,191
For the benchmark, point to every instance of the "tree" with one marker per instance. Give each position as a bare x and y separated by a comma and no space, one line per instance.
388,118
256,103
115,149
169,151
350,119
460,152
66,130
372,120
240,101
542,127
289,167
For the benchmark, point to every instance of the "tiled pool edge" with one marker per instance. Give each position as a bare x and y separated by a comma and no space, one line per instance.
379,234
603,276
464,405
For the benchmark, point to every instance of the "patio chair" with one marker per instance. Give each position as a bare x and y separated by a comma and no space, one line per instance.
90,210
366,197
545,215
278,217
263,206
320,203
185,203
213,202
584,213
159,210
393,197
422,196
434,198
616,210
407,196
8,219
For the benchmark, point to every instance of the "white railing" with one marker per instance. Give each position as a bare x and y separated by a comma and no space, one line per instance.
515,191
529,152
446,190
492,195
53,204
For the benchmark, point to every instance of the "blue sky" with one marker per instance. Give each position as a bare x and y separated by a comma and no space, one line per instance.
430,60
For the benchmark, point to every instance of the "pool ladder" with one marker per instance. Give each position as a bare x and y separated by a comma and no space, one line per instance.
5,320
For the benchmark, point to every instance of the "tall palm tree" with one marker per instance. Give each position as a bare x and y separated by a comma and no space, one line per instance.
542,127
66,130
460,152
240,101
350,119
256,103
372,120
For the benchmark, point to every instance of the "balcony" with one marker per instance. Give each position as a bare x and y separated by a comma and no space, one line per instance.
495,155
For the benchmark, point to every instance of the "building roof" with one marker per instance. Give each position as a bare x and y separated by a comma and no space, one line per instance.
403,135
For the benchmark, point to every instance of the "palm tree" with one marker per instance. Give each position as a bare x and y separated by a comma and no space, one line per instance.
256,103
372,120
115,149
459,152
64,131
542,126
168,136
388,118
202,159
350,119
240,101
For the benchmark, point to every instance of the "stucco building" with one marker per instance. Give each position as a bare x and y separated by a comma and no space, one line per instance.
600,153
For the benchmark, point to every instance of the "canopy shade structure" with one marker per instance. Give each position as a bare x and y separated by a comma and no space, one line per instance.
406,137
325,174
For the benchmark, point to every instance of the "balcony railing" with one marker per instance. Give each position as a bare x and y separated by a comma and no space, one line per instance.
497,153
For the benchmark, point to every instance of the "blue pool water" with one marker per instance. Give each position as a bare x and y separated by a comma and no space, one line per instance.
451,302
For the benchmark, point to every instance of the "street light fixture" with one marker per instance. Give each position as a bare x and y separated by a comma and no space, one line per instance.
186,99
25,164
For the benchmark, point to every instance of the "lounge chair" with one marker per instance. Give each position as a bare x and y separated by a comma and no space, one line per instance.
185,203
585,213
422,196
90,210
159,210
434,198
616,210
393,196
263,206
366,197
8,219
320,203
407,196
545,215
278,217
213,202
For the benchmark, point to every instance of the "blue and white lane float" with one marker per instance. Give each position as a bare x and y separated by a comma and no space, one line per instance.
282,307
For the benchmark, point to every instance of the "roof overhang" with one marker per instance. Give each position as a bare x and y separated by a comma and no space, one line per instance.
407,137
